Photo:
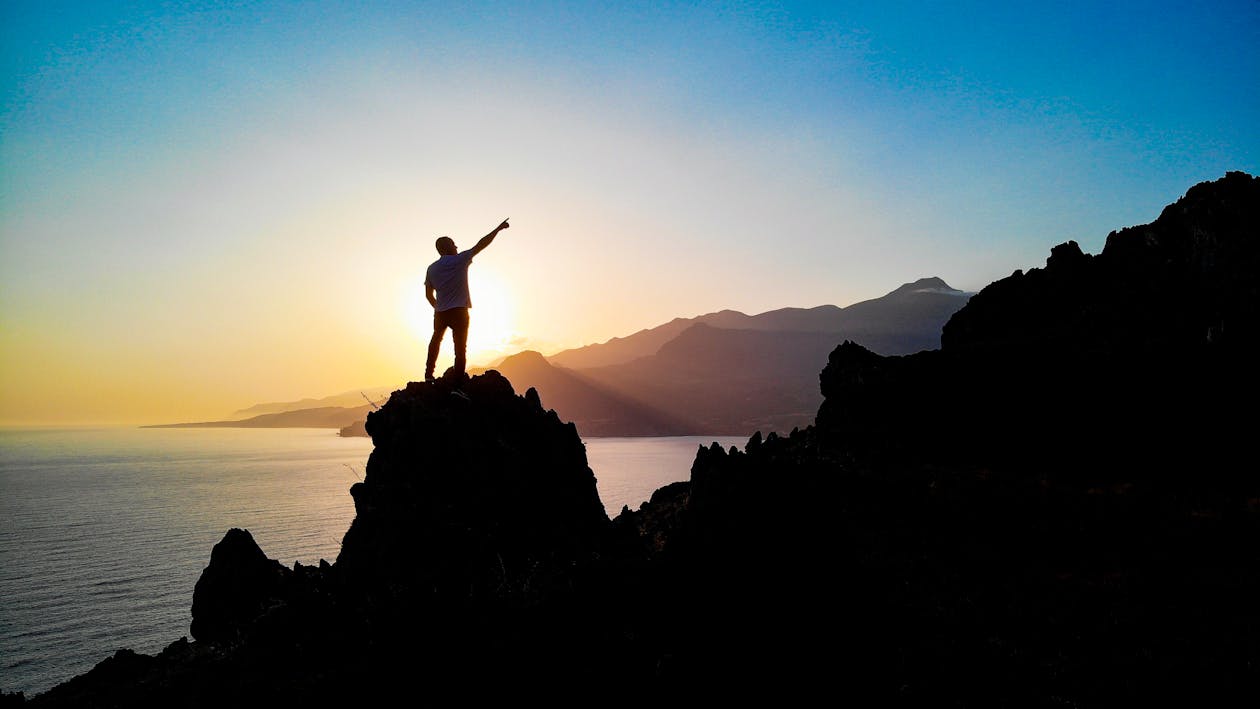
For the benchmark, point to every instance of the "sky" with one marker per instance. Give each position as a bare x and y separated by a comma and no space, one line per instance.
209,205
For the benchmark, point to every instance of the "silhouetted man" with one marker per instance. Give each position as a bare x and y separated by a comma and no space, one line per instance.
448,276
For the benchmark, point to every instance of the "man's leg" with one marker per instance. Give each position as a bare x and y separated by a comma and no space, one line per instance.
435,344
459,331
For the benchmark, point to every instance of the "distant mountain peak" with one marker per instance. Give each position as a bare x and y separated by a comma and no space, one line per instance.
524,357
525,360
931,284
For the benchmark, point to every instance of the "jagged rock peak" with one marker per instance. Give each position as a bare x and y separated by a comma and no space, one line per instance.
234,589
469,480
1211,231
1066,255
1184,279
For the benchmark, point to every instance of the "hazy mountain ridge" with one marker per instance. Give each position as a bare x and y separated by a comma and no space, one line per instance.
884,319
319,417
347,399
727,382
706,381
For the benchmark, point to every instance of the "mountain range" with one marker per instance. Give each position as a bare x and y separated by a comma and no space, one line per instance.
722,373
354,398
727,373
905,321
316,417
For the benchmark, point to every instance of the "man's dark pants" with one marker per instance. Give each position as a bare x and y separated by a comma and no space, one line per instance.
457,320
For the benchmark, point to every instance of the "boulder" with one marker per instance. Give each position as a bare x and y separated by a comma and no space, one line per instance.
470,490
235,589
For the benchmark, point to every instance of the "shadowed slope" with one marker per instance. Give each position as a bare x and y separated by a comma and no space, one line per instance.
728,382
596,409
1077,531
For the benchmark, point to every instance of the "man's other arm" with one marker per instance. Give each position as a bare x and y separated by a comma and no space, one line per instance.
488,238
428,294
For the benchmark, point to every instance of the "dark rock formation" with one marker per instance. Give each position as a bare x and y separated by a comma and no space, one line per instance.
1140,357
1055,509
358,428
1185,280
235,589
478,550
470,490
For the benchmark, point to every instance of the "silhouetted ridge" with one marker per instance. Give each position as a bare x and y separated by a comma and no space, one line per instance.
1162,323
1186,279
1054,509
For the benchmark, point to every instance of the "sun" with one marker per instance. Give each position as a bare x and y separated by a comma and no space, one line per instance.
490,331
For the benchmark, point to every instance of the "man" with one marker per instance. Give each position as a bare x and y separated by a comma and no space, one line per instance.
448,276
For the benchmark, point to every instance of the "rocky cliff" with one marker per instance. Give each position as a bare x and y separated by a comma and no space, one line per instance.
1138,358
1077,531
480,549
1057,507
470,490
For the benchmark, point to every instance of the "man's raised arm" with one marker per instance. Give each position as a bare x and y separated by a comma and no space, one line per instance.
488,238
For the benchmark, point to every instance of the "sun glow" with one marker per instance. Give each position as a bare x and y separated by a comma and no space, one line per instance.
490,333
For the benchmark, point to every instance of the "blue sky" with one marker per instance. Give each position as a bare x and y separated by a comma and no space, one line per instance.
276,172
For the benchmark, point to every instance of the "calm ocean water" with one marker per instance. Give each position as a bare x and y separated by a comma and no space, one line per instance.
104,532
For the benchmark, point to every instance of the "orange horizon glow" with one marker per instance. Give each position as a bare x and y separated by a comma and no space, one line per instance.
205,208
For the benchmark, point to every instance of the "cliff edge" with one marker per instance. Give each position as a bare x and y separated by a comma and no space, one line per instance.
1055,509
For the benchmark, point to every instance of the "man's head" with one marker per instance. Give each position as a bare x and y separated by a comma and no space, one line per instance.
446,246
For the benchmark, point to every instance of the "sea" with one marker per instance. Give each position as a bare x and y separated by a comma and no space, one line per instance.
105,531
